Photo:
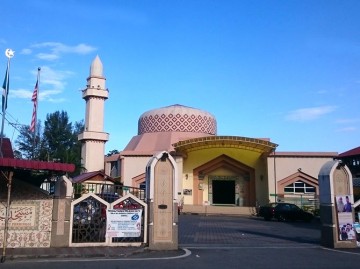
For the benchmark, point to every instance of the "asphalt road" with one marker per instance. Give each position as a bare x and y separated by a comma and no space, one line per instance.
226,242
245,232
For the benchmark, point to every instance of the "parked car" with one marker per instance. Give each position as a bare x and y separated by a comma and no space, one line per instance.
284,212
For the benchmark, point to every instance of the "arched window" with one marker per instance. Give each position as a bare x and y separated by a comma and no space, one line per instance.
299,187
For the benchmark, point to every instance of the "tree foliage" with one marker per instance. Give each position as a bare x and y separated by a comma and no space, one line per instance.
57,141
112,152
29,143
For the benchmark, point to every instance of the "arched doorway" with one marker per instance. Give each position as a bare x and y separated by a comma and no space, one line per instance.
227,181
223,192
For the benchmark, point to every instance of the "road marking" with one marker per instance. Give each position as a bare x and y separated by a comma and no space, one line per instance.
247,247
341,251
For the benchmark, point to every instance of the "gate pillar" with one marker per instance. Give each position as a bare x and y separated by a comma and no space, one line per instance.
161,196
336,206
61,213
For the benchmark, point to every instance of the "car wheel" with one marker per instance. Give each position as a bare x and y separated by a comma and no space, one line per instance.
281,218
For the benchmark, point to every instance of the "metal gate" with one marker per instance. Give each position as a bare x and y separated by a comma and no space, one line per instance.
89,221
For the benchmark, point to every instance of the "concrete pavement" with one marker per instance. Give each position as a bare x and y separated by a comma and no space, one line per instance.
197,231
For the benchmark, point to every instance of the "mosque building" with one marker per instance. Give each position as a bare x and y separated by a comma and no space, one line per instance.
216,173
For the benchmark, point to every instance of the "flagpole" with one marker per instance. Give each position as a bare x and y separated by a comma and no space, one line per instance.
36,109
9,53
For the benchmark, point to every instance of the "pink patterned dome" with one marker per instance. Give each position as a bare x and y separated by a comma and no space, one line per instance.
177,118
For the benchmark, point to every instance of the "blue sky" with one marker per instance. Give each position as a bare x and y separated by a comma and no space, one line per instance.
284,70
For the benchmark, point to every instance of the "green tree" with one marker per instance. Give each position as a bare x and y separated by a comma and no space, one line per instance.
29,144
58,136
57,142
75,153
61,138
112,152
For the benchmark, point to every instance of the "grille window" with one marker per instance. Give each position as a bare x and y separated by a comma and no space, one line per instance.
299,187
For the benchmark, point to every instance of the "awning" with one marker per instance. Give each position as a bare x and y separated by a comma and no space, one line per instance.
36,165
252,144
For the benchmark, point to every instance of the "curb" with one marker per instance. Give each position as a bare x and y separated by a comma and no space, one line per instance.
130,254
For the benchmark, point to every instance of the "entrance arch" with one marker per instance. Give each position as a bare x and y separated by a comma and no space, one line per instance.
237,189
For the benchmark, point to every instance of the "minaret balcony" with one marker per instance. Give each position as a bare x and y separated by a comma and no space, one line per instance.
100,136
95,92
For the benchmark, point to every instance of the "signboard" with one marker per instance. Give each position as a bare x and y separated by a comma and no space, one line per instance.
123,222
20,216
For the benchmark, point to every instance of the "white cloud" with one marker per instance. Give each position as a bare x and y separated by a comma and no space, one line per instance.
56,49
43,95
322,92
56,100
52,84
349,122
308,114
82,49
26,51
48,93
47,56
20,93
345,121
55,78
347,129
52,81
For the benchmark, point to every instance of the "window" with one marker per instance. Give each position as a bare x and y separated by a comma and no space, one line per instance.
299,187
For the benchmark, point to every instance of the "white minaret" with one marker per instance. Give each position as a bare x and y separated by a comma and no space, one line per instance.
93,138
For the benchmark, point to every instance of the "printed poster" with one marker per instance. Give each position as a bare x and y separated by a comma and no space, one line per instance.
123,222
345,217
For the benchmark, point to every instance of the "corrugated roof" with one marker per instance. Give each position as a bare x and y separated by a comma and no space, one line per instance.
351,152
36,165
112,158
304,154
6,148
9,162
356,182
86,176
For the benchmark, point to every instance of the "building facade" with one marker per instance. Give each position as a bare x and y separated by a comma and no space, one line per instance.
215,171
226,173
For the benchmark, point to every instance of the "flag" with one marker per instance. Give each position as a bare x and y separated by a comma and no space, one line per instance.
35,93
34,99
5,90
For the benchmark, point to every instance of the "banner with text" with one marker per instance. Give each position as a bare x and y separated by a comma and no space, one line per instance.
123,222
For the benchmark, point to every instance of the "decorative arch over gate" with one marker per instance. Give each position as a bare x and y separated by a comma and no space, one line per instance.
130,203
89,221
